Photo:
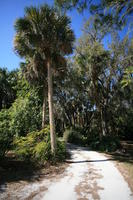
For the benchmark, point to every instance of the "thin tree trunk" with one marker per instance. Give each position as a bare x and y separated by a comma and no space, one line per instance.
51,113
103,123
44,108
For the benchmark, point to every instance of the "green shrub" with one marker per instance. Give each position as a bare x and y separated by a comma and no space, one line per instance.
20,119
61,150
36,147
41,151
74,135
108,144
23,118
31,146
5,134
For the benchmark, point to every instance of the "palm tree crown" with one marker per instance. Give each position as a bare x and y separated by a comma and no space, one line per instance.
43,33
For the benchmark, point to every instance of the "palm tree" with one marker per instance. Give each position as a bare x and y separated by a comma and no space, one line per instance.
45,36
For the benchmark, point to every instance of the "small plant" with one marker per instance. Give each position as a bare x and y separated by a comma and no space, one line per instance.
74,135
61,151
36,147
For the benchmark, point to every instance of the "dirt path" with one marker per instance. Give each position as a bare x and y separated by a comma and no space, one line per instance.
89,175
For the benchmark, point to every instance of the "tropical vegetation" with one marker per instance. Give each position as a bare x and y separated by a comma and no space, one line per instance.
83,96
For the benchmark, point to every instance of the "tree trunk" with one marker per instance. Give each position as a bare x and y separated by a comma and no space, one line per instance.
44,108
51,113
103,123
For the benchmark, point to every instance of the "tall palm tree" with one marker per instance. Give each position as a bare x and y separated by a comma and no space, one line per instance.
44,35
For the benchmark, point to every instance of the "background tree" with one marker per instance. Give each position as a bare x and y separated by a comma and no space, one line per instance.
112,12
25,112
110,15
22,113
35,75
69,4
7,87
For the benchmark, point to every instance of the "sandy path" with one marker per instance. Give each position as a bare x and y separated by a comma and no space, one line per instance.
89,175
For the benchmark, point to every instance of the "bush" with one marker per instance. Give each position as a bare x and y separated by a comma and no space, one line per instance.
74,135
5,134
61,151
36,147
108,144
23,118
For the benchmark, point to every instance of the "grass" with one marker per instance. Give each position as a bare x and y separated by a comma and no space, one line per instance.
129,168
126,169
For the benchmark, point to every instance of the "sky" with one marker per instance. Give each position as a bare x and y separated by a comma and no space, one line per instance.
10,10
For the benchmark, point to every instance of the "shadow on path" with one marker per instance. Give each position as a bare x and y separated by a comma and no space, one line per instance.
84,161
13,170
114,156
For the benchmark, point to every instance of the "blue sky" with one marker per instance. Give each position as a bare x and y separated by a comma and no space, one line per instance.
12,9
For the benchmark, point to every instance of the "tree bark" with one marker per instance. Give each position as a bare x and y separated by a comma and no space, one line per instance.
44,108
103,124
51,113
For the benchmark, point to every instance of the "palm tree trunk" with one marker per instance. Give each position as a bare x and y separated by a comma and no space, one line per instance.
44,108
51,114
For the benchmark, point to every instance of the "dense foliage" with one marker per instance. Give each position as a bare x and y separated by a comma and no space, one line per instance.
23,116
74,135
35,146
5,134
92,89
